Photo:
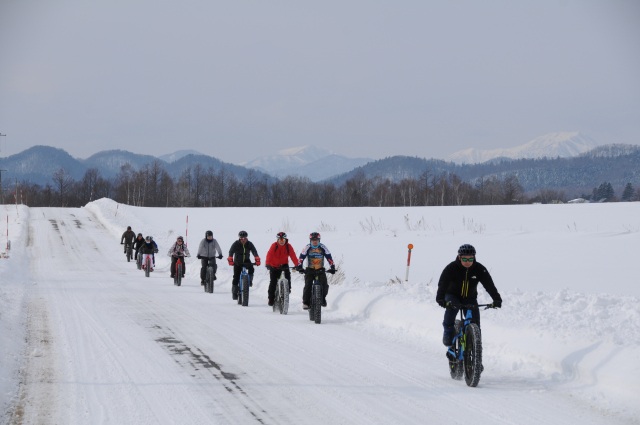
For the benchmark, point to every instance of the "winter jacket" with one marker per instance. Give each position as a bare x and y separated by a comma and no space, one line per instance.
316,256
278,255
462,282
240,252
149,248
179,250
138,243
128,236
208,248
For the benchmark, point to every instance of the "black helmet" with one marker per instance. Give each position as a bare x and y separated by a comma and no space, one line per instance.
281,235
314,235
128,227
208,233
180,238
243,234
140,235
466,249
148,239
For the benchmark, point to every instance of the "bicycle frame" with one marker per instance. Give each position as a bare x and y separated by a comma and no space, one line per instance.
147,264
244,282
177,276
465,352
128,248
315,306
209,276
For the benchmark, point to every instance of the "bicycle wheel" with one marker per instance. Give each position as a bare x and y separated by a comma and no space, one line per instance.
284,306
208,282
472,355
316,304
245,290
147,267
455,366
178,275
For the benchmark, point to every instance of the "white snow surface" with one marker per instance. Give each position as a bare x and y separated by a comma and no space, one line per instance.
86,338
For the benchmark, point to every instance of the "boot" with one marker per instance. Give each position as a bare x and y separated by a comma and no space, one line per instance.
447,337
234,291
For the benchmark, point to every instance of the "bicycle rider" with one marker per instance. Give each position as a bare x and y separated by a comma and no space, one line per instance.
239,257
317,253
137,244
458,285
149,248
207,250
278,260
178,250
128,236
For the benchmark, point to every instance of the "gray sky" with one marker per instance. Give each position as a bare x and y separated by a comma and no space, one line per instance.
241,79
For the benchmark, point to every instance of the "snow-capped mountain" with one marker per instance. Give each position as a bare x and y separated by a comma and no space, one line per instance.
307,161
563,144
172,157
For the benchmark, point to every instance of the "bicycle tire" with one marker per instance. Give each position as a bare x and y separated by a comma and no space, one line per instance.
284,307
245,290
472,355
147,267
208,282
178,275
139,261
316,304
455,366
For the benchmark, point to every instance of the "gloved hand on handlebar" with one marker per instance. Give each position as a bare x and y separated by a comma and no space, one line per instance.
497,303
219,257
257,261
332,269
298,268
230,261
199,257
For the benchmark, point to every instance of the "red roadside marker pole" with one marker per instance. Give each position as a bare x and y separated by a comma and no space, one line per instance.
410,246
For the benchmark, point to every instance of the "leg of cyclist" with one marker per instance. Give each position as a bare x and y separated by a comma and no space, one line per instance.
273,279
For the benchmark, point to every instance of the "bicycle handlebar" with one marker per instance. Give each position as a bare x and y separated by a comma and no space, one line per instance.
468,306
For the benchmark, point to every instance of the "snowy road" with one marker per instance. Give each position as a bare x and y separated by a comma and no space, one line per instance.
107,345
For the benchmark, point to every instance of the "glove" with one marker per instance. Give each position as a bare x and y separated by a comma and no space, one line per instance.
298,268
442,303
155,251
199,257
121,243
497,303
269,268
219,257
257,261
230,261
332,269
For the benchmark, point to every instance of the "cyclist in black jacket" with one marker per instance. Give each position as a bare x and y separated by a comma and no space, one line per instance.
239,256
459,285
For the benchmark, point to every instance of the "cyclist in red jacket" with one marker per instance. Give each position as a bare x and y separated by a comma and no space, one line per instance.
278,260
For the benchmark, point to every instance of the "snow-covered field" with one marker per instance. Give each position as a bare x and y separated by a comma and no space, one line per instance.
85,338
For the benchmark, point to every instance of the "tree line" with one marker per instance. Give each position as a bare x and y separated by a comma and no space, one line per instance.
152,186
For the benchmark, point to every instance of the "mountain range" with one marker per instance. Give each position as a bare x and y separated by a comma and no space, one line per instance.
552,145
555,166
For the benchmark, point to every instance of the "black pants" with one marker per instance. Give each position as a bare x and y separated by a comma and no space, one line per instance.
450,314
173,266
237,269
274,275
203,269
308,282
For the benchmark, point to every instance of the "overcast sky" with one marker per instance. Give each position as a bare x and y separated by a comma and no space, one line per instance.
241,79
